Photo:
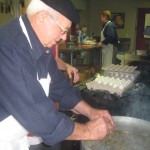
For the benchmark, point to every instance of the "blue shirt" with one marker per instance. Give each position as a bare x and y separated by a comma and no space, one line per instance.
110,34
22,96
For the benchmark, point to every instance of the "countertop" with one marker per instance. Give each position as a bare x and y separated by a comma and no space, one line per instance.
77,48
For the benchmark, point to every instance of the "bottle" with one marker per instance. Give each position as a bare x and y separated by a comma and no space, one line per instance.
79,37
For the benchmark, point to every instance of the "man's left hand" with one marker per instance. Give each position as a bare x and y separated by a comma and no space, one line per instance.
73,73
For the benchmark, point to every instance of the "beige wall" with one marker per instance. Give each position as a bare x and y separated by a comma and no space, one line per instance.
80,4
82,7
4,18
129,7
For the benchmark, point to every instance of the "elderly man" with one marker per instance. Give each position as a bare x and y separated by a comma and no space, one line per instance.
29,78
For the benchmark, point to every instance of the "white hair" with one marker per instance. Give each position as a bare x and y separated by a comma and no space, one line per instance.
36,6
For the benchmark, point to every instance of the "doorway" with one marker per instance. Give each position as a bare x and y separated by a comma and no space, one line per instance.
140,41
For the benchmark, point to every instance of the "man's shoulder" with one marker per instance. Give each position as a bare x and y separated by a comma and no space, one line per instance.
9,32
13,41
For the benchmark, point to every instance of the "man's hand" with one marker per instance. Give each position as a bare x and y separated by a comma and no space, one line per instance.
95,113
73,73
96,129
99,128
100,125
85,109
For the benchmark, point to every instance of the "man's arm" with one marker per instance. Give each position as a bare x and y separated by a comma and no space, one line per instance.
61,64
100,125
96,129
72,71
23,97
91,112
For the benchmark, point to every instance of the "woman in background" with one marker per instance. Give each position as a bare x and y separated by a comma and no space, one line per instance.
109,38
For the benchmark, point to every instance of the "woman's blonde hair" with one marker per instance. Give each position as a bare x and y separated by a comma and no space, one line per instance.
106,13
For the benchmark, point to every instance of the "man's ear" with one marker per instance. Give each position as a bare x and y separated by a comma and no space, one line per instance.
40,17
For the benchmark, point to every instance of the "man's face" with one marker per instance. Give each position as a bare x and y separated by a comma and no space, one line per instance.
53,30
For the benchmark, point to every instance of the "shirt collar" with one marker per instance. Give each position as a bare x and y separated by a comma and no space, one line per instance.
105,23
37,48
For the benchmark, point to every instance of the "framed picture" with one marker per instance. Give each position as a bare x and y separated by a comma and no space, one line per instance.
118,19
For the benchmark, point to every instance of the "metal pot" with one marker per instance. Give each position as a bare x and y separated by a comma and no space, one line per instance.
131,134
